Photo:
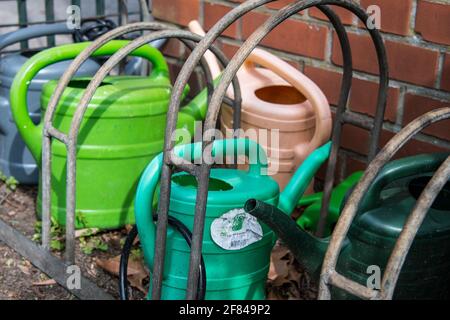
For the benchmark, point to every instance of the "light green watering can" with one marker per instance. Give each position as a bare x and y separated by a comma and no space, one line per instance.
122,130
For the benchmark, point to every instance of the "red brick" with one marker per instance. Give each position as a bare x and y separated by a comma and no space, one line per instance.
213,13
230,49
395,15
272,5
433,21
173,48
352,165
412,64
412,147
328,81
416,105
355,139
445,83
346,16
406,62
364,97
176,11
291,36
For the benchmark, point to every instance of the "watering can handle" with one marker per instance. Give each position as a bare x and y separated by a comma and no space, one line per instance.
304,85
31,133
399,169
149,180
35,31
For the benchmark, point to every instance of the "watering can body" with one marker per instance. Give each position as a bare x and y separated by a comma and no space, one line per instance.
121,131
15,159
281,107
269,102
236,248
378,224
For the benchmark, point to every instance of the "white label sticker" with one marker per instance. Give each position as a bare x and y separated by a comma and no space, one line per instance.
236,229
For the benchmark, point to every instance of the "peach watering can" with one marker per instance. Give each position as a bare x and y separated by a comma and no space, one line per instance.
276,96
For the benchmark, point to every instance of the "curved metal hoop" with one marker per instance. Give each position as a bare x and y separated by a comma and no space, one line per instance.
329,276
70,140
202,172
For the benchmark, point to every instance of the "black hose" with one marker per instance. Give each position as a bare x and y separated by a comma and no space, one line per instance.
91,29
123,276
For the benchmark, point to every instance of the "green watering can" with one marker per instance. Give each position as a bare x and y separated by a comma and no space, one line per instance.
313,202
122,130
236,247
372,235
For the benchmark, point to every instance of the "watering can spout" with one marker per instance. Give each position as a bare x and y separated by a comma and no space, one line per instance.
302,177
306,248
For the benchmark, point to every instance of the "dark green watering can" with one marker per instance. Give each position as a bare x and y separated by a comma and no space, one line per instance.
236,248
122,130
372,235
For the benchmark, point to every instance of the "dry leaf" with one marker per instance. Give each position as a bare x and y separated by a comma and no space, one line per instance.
287,278
279,265
24,269
136,270
48,282
86,232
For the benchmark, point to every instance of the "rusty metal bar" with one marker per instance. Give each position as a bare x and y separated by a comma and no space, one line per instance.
89,92
46,140
166,172
400,250
123,12
343,116
49,264
23,20
50,16
218,95
123,53
352,287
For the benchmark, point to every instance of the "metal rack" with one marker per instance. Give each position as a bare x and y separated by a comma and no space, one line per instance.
329,276
42,258
202,171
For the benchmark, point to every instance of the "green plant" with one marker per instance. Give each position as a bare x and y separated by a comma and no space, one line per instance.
89,244
136,254
56,234
10,182
80,219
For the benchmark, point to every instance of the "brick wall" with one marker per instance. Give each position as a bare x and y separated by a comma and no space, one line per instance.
417,39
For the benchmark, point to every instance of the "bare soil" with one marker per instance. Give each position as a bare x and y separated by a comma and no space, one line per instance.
19,279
